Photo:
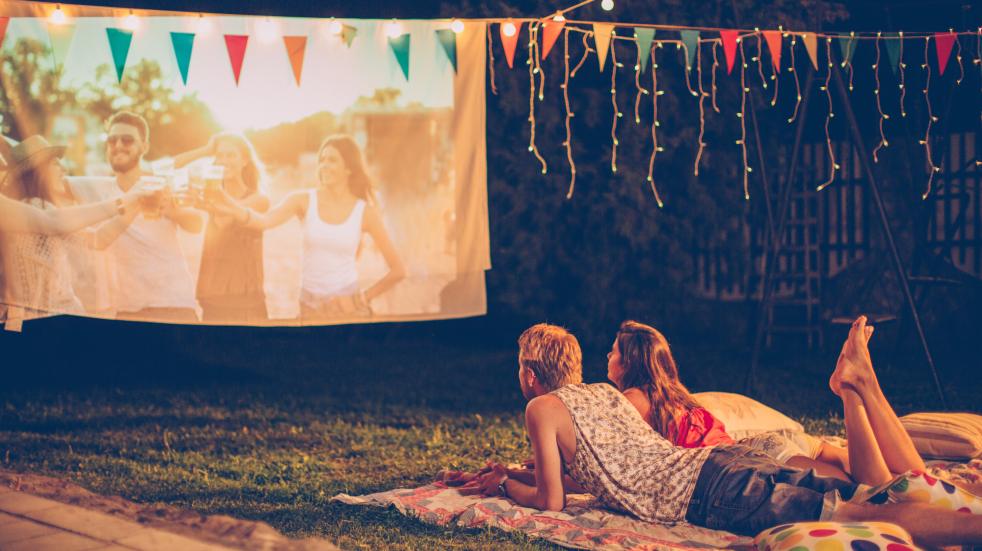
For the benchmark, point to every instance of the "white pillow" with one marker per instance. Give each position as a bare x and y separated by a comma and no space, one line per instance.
745,417
945,435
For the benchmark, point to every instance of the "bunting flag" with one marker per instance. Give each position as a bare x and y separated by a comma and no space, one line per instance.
847,46
773,39
811,44
691,41
942,45
448,39
644,37
3,28
119,45
296,47
550,32
400,47
183,44
348,34
509,43
236,46
61,40
601,36
892,43
729,47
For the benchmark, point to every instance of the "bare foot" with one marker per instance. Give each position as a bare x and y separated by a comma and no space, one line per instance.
854,366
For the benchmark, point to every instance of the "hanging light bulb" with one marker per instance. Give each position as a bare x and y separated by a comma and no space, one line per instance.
335,27
393,29
509,29
267,30
457,26
131,22
558,18
607,5
58,16
203,26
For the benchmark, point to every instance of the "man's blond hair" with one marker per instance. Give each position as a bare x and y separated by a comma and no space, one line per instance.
553,354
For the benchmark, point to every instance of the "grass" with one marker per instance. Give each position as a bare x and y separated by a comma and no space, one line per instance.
269,425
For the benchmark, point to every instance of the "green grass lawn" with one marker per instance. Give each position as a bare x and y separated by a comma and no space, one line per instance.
253,425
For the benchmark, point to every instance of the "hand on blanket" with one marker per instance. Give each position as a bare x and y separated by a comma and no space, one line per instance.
459,478
486,483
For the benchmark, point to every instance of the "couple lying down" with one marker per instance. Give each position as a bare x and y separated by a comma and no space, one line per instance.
591,439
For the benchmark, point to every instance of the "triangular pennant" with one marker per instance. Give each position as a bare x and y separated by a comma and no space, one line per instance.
729,47
942,45
644,36
773,39
509,43
119,45
400,47
236,46
691,40
811,44
348,34
448,39
61,40
3,28
892,44
601,36
550,32
183,44
847,47
296,47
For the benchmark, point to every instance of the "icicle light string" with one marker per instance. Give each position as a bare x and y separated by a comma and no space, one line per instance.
879,106
533,42
586,52
715,66
759,58
797,83
655,148
828,118
613,101
568,144
702,109
537,64
775,74
978,61
742,142
641,89
494,89
903,82
958,57
931,119
847,62
688,69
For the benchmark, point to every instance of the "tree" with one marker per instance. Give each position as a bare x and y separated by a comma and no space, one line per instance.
31,93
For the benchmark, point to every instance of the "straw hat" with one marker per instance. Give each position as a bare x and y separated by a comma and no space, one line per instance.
32,152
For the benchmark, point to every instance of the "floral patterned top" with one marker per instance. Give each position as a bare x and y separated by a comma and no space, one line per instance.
622,461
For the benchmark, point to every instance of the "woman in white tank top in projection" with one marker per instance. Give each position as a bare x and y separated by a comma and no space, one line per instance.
334,218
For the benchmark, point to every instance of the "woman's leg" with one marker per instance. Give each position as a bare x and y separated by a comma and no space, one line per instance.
868,464
823,468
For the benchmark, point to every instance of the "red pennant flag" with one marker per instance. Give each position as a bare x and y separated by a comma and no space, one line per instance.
729,47
550,32
942,45
773,39
236,45
296,46
3,28
510,42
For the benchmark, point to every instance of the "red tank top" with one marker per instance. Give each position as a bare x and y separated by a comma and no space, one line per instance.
698,429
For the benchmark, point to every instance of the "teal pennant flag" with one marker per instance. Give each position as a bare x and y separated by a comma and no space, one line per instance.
119,44
448,39
183,44
847,46
61,36
691,40
400,47
892,43
644,36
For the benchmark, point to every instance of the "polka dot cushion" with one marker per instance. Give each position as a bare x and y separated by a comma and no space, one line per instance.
835,536
921,487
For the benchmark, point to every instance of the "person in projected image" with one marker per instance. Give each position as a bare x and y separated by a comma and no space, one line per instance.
230,280
334,216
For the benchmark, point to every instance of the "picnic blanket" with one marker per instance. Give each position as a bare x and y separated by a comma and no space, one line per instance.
583,524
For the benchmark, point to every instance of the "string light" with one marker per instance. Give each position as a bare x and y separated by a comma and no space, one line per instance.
847,62
457,26
797,83
688,68
613,101
655,148
637,84
494,89
702,109
828,119
131,22
607,5
879,106
536,60
58,16
742,142
978,61
715,66
958,57
586,51
931,119
903,88
775,73
759,58
569,115
533,46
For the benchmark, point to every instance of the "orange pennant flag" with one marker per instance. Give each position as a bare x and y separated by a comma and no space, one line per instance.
550,32
773,39
811,44
509,42
601,36
296,47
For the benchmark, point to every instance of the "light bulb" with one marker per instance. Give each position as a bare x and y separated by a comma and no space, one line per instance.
509,29
131,22
267,30
558,18
58,16
393,29
457,26
203,26
335,27
607,5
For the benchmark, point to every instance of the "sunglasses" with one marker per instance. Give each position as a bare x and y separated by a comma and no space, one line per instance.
123,139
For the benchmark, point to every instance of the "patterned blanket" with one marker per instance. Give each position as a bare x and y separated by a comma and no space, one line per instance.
583,524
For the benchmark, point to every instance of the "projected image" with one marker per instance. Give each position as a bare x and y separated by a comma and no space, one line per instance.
264,171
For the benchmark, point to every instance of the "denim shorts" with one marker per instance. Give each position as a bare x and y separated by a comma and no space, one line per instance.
743,491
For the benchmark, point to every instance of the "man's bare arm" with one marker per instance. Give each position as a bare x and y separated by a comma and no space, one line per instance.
547,493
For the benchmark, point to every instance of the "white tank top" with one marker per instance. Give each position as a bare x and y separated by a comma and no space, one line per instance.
329,266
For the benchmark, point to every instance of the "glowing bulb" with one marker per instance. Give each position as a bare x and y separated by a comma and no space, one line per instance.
457,26
607,5
266,30
203,27
559,18
131,22
509,29
58,16
335,27
393,29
